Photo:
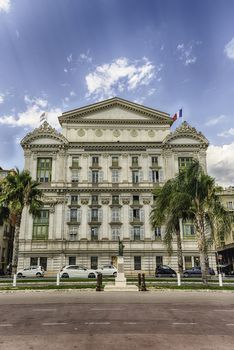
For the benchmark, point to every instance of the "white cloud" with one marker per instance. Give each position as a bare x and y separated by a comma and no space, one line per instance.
31,116
2,98
69,58
229,49
217,120
220,164
227,133
72,93
186,52
65,70
5,5
106,80
86,57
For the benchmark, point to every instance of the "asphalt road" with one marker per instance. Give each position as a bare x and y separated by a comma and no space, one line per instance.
102,320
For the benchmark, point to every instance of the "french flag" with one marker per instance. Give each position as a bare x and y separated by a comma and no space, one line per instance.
177,115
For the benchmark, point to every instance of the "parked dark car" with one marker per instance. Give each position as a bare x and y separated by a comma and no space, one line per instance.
226,269
164,271
196,272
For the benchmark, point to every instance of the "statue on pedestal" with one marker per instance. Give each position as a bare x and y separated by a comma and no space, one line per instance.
121,248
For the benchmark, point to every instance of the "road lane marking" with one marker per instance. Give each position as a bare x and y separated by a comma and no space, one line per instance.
184,310
99,309
228,310
36,310
183,323
229,324
130,323
6,325
91,323
54,323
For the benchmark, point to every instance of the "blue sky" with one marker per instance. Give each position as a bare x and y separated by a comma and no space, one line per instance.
58,55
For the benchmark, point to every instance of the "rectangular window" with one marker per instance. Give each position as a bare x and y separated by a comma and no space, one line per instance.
95,176
95,161
94,200
75,175
137,262
115,233
135,176
94,262
44,169
43,262
41,225
155,176
74,199
73,233
75,162
230,205
136,214
115,176
188,262
159,260
34,261
189,230
154,161
73,215
197,261
157,233
115,199
115,215
184,162
72,260
136,233
94,233
135,200
134,161
94,214
115,161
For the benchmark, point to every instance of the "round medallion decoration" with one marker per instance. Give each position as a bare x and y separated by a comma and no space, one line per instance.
81,132
116,133
151,133
98,133
134,133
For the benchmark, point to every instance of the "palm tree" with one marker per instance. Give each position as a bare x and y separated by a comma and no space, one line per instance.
170,207
210,219
19,191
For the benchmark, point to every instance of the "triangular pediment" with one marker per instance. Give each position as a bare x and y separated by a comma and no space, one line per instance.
113,111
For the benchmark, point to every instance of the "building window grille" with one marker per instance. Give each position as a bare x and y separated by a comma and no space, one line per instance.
137,262
135,176
184,162
72,260
189,230
95,161
115,199
73,233
115,233
115,215
154,161
155,176
75,175
74,200
94,176
94,200
44,169
136,200
75,162
115,176
94,233
115,161
94,214
135,161
73,215
94,262
41,225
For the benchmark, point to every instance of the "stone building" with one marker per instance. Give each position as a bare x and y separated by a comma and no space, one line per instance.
97,175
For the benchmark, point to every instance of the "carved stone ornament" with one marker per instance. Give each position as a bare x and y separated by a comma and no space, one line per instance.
116,133
134,133
84,201
124,155
126,201
81,132
85,155
98,133
146,201
105,201
44,131
151,133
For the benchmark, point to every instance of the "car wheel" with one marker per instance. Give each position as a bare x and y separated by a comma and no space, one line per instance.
115,274
38,274
186,274
19,275
92,275
65,275
173,275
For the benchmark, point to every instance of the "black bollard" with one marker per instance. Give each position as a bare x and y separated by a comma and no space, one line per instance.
143,285
99,283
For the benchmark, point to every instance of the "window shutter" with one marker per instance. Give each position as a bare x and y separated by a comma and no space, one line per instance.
130,215
142,215
79,215
100,176
90,176
68,215
161,177
142,233
150,176
89,215
141,176
99,214
132,234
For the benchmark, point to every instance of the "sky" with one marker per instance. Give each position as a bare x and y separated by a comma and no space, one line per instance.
57,55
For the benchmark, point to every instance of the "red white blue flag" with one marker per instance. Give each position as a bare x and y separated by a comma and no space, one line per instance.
177,115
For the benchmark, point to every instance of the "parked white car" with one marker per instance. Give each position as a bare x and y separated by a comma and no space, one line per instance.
77,271
108,270
32,271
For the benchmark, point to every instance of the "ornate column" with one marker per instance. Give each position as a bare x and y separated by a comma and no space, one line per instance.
83,228
105,218
125,168
147,225
126,229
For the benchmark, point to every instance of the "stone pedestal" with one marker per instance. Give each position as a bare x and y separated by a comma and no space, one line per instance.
120,281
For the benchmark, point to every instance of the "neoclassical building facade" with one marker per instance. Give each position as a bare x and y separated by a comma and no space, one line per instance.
97,176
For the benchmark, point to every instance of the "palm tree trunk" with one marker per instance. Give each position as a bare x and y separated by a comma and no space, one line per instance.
16,244
202,246
179,252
